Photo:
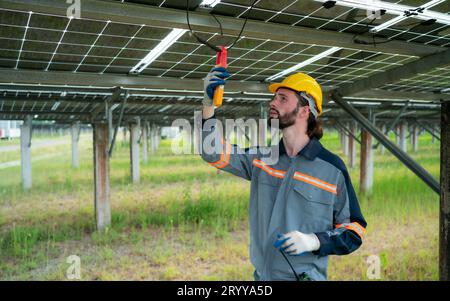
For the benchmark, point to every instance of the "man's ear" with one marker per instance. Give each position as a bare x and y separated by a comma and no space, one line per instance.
304,111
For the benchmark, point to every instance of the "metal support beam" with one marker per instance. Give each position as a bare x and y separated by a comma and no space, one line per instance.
394,122
129,115
402,156
110,80
444,212
421,65
431,131
110,123
433,138
374,95
115,96
131,13
37,76
347,131
25,152
101,176
134,98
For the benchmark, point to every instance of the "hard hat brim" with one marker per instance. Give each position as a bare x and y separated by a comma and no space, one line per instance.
274,87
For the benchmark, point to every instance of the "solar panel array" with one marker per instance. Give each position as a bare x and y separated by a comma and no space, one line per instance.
48,42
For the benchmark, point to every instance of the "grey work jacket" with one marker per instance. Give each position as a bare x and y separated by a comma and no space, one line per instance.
310,192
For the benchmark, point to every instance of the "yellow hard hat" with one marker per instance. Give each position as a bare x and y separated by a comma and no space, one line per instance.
301,82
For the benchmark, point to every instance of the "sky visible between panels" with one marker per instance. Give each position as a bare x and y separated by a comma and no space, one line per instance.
53,43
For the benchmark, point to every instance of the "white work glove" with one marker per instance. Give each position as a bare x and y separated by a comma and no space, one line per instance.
215,78
296,243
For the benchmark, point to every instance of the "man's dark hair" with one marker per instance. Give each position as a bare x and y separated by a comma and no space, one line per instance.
315,129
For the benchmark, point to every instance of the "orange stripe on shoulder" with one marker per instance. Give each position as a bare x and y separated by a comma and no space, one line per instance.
271,171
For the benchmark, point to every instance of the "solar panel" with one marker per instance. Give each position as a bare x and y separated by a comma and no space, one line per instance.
49,42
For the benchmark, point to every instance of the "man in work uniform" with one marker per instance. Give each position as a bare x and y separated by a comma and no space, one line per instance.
302,208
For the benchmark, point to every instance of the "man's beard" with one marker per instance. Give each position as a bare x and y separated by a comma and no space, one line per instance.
286,120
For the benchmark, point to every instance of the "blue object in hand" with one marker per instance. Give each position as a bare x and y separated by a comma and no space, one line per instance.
215,78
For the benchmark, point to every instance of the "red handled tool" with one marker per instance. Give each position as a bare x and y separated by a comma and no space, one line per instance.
221,61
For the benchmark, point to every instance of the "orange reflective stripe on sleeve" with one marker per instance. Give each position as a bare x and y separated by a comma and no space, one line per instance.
316,182
361,228
355,227
224,157
271,171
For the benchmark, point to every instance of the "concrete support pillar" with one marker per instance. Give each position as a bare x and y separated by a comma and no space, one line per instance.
101,176
145,142
411,130
152,138
75,135
134,152
124,135
352,146
366,167
403,132
415,138
397,135
155,138
382,148
158,136
345,141
444,212
254,134
25,152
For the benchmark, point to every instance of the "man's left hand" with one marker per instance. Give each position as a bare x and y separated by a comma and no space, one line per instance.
296,243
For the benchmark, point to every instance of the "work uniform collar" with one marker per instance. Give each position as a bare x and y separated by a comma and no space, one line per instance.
310,151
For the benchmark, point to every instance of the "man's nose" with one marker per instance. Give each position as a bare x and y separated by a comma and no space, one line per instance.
272,102
270,107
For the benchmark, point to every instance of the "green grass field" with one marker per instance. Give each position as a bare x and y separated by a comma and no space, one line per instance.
185,221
